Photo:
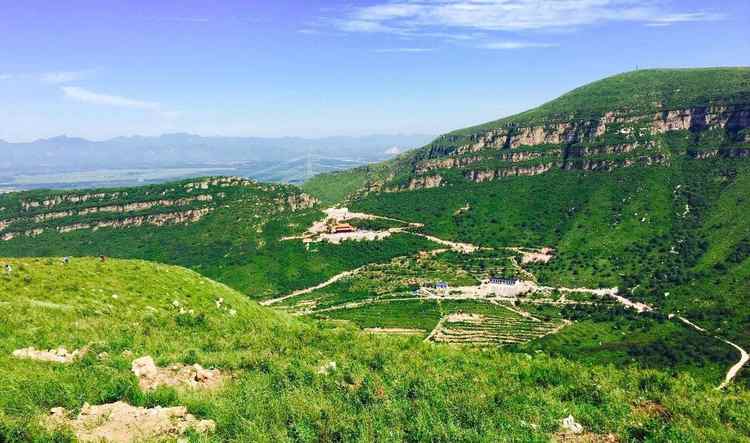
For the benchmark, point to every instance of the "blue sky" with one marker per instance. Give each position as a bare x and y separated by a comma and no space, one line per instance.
100,69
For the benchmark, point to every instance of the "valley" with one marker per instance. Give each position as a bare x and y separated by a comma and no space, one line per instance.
583,265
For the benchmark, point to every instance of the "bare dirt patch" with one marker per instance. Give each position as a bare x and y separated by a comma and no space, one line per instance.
542,255
324,230
59,355
337,238
151,376
121,423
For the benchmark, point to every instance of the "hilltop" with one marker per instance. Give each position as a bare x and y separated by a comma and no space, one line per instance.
283,386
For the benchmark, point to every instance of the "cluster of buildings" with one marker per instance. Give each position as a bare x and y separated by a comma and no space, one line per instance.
501,281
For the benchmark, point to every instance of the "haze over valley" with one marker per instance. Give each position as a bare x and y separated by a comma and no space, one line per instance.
67,162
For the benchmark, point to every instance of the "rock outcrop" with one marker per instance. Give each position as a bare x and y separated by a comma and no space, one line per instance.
194,376
122,423
614,140
479,176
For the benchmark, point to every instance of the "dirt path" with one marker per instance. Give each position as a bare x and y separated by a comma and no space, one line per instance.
734,370
360,303
522,271
436,330
328,282
466,248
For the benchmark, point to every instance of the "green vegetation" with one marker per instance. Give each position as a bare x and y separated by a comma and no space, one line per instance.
660,214
628,228
337,186
383,389
622,337
239,242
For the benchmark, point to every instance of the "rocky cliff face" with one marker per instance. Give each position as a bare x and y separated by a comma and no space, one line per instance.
616,139
730,118
183,203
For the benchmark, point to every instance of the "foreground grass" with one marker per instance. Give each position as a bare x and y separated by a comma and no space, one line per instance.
384,389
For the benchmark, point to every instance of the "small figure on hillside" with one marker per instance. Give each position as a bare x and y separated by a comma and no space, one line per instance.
66,260
8,269
102,258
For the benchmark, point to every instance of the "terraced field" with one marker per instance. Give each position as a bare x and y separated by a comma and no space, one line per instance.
511,328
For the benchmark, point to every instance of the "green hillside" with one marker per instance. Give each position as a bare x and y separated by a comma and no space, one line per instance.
382,389
650,199
234,234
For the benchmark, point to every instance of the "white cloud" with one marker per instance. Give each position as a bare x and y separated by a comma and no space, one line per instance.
671,19
6,76
415,16
86,96
403,50
510,45
63,76
393,151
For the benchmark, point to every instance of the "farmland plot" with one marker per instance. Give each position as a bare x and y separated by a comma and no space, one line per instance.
492,329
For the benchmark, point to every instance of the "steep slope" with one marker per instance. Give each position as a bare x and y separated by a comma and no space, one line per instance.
282,386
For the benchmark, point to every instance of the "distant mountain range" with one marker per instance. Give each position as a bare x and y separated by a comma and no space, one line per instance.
287,159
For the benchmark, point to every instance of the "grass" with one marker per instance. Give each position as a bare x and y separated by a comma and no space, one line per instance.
335,187
384,389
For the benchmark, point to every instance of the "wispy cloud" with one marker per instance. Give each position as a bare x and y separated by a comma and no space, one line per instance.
510,45
63,76
94,98
403,50
416,16
671,19
6,76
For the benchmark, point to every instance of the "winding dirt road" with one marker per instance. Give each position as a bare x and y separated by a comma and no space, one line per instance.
734,370
328,282
732,373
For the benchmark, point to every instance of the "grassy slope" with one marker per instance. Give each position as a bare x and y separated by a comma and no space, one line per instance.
385,389
335,187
